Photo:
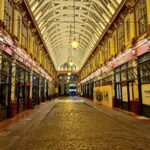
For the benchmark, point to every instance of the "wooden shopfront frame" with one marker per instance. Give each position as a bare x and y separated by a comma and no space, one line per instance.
125,77
144,83
22,89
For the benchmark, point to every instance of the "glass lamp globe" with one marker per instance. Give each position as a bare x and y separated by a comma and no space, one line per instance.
74,44
71,63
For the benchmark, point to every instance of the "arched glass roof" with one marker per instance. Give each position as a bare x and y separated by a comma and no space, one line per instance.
57,20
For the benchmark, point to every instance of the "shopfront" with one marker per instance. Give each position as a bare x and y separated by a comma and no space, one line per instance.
22,88
126,87
5,85
35,89
144,83
107,88
121,87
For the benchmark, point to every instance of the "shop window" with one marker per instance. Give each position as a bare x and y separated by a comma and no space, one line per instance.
124,75
141,16
4,80
128,30
8,14
131,74
121,37
24,35
117,77
145,72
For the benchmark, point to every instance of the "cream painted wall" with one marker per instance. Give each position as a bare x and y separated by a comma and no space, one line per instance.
107,92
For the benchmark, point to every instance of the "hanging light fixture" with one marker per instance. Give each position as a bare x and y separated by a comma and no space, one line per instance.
74,43
69,73
71,63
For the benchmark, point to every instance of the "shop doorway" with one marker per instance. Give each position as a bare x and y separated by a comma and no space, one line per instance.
35,90
118,93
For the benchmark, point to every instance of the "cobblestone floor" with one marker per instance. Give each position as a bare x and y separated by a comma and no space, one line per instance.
76,126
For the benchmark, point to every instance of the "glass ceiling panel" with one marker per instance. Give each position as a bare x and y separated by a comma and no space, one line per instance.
57,21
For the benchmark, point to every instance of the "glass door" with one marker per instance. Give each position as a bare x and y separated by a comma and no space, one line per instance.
118,88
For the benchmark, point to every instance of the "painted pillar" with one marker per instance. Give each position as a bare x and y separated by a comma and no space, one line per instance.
132,25
31,88
15,26
31,45
148,9
101,57
2,10
13,104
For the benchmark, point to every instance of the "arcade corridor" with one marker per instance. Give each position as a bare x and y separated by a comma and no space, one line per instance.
92,50
66,124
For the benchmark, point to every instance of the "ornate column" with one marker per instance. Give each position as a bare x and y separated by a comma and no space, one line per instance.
101,57
15,22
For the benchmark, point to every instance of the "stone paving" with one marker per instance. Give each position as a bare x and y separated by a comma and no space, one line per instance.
76,126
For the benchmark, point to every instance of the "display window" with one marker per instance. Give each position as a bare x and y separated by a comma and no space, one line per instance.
22,86
144,83
8,12
5,80
145,72
141,16
122,91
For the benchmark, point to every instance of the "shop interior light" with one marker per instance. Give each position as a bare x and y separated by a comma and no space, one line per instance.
69,73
